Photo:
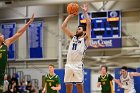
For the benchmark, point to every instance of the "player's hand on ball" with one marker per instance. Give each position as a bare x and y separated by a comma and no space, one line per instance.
71,15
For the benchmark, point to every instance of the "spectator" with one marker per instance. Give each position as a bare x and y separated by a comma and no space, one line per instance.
12,87
28,86
6,84
14,78
22,87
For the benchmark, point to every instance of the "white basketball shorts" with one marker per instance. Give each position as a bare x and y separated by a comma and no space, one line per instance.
74,73
130,91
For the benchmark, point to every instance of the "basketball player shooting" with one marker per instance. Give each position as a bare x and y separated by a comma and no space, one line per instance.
78,44
4,44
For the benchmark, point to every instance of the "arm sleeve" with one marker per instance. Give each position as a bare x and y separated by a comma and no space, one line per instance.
110,77
45,78
99,80
58,80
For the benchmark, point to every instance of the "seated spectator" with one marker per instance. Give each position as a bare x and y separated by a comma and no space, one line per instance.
22,87
12,87
6,84
28,86
14,78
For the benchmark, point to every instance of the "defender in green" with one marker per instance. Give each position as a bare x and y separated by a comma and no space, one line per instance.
106,83
52,81
105,80
3,62
4,44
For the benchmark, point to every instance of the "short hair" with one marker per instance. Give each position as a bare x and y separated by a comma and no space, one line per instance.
104,67
124,67
52,65
83,26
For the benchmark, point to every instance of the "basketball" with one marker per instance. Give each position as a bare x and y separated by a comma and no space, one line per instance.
73,8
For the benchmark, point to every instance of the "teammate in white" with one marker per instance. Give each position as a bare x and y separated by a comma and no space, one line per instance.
127,81
79,43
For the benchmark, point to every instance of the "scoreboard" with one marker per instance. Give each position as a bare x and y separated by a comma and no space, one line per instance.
105,28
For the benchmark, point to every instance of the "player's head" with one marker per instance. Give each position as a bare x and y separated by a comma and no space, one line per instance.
124,70
81,30
51,68
104,69
1,38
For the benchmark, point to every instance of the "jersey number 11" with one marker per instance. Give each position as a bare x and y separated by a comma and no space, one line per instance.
74,46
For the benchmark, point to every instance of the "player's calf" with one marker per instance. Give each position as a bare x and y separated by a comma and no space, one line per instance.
80,87
69,87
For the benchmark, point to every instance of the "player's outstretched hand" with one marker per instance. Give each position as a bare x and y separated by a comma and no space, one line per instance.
84,7
31,19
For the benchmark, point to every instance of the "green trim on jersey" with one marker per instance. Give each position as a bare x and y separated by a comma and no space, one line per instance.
51,81
3,63
106,83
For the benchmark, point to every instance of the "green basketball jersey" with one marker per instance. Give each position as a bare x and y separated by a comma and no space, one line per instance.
52,81
3,62
106,83
3,56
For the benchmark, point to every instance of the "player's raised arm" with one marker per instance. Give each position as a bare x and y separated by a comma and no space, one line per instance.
88,23
65,28
9,41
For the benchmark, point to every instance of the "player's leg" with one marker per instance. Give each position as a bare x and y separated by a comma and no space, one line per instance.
69,87
80,87
79,77
68,78
68,74
126,91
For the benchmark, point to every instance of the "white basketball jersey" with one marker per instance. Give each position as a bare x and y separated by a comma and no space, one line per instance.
76,50
128,82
